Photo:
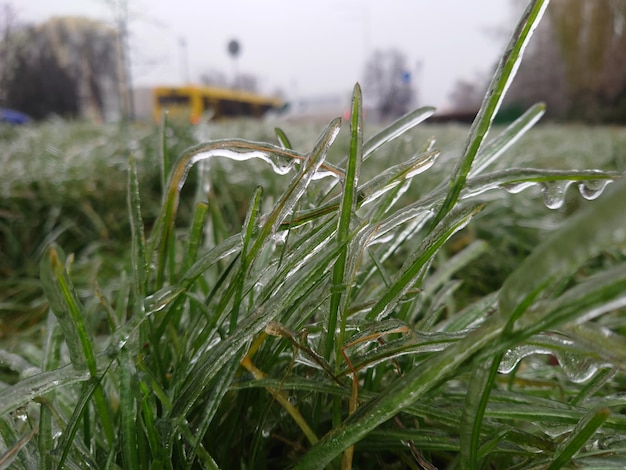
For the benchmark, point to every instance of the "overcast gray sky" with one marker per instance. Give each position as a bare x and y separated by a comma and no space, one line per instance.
306,48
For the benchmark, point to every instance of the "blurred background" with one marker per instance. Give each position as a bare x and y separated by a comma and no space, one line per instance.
102,60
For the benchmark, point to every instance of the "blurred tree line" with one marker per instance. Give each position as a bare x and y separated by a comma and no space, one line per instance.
575,63
66,66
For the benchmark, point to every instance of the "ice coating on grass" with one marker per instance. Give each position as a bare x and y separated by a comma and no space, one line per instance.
553,193
514,356
591,189
279,165
577,367
515,188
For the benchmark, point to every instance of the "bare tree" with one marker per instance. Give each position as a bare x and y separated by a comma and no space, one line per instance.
8,25
577,62
388,83
74,55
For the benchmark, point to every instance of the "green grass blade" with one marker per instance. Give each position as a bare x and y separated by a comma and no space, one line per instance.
195,236
165,157
67,308
282,138
71,314
140,262
249,227
500,82
51,360
478,391
346,214
128,414
219,388
65,443
583,431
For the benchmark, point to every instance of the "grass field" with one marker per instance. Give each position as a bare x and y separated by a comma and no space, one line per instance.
66,183
399,296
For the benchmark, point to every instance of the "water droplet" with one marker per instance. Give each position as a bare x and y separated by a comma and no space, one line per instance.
554,193
591,189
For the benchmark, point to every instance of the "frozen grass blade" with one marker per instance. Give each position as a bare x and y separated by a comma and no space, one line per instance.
340,289
66,306
478,391
195,235
579,437
128,415
281,160
397,129
140,263
282,138
493,99
246,257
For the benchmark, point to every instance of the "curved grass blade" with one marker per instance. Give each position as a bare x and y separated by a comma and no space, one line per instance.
37,385
281,160
515,180
500,82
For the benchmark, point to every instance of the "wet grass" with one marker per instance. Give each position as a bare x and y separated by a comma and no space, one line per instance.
391,301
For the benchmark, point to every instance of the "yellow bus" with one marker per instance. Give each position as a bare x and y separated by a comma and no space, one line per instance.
191,102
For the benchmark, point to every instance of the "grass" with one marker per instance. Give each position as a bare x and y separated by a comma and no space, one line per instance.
388,302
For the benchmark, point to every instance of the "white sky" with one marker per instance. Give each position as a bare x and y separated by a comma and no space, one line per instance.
306,48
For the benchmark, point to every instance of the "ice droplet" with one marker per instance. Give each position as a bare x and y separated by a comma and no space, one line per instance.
513,356
578,368
554,193
591,189
515,188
